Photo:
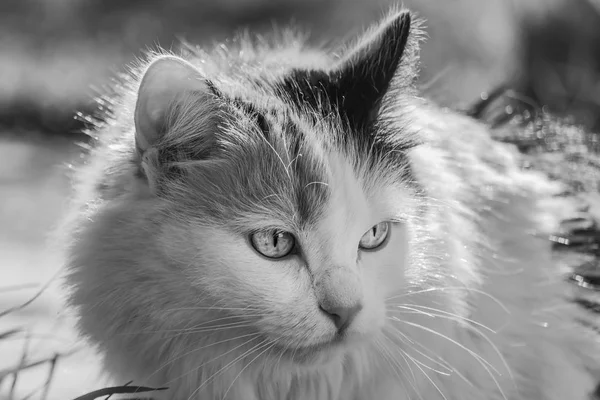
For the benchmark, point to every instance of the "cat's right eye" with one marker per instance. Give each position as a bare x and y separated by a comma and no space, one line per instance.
273,243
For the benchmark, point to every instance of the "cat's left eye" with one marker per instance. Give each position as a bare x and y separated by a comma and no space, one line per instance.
273,243
375,236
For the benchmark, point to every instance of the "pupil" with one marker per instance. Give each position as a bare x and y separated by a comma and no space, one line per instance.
375,231
275,240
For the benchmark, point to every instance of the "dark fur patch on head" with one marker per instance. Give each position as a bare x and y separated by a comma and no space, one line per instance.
362,92
355,87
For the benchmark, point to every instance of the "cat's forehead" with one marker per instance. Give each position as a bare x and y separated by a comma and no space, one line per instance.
274,166
296,158
277,162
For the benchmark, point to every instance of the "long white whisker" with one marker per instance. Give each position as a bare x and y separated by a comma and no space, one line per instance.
269,347
412,310
222,319
240,324
237,324
187,353
471,352
446,315
405,360
395,366
213,308
228,365
452,317
442,362
213,360
441,289
484,363
427,366
429,379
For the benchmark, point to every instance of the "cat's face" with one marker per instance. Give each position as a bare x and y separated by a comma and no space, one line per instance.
289,198
317,289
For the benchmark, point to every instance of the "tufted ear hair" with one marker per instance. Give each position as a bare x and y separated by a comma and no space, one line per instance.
357,83
168,82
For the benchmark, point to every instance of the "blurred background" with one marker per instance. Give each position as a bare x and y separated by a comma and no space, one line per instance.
57,55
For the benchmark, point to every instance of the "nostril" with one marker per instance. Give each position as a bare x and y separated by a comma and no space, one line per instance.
342,316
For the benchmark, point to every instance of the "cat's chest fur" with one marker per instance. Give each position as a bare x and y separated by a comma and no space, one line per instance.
279,223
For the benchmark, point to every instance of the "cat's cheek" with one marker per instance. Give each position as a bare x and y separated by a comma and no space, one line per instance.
225,265
371,319
383,277
390,263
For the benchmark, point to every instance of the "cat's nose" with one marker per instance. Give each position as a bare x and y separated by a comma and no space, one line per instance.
340,295
342,316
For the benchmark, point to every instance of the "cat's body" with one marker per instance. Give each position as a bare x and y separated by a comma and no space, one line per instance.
461,301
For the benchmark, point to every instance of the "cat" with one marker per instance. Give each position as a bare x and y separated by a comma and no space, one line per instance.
272,221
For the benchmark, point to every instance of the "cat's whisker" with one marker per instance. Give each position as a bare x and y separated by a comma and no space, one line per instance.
458,319
204,364
419,364
404,354
172,360
260,345
450,288
225,318
440,360
190,326
219,328
442,314
411,342
380,347
437,371
178,332
405,309
428,377
213,308
441,335
271,344
401,355
484,363
396,367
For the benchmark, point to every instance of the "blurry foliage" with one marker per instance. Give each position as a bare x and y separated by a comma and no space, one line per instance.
52,52
560,60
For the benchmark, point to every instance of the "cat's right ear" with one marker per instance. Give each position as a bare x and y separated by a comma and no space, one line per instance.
166,80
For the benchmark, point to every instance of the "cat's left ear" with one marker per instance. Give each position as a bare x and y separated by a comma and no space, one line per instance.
364,75
357,83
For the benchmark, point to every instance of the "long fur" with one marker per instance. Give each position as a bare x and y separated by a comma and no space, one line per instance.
463,303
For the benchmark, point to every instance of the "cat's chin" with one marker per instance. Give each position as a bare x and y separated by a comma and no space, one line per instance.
322,354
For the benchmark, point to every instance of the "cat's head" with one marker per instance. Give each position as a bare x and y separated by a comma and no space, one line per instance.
287,192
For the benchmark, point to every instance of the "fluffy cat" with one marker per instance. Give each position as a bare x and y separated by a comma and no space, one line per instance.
275,222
